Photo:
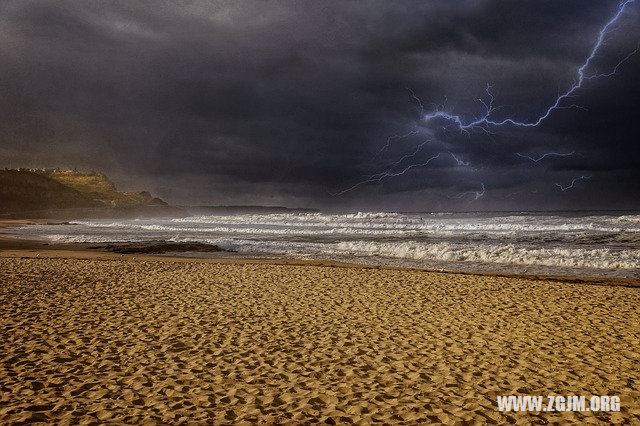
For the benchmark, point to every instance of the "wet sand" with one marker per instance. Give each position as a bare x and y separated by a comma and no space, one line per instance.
103,337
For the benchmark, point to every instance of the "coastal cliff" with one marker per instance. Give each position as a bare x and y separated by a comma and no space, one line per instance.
69,193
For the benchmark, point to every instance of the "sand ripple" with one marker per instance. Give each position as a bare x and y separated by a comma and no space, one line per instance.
161,341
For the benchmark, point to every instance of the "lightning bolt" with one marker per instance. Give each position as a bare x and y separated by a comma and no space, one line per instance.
407,156
417,99
573,182
459,161
618,65
548,154
386,175
476,194
485,119
390,138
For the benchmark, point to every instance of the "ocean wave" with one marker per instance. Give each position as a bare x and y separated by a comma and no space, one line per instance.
380,224
593,242
627,219
504,254
602,258
508,254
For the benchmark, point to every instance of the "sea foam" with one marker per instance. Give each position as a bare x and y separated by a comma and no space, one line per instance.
579,241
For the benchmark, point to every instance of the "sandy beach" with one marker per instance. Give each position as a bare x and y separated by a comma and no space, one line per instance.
100,337
292,213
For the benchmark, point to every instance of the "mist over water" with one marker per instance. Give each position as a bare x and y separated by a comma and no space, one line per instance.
588,243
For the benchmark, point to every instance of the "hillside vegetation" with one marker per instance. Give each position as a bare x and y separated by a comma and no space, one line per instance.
23,190
98,187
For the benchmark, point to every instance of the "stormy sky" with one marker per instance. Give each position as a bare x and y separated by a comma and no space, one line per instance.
292,102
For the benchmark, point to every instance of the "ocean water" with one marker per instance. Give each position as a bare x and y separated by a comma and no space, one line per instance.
581,244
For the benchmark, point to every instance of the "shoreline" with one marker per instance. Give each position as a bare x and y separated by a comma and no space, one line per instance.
13,246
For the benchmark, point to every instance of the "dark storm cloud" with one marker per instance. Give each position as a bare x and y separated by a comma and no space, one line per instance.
285,102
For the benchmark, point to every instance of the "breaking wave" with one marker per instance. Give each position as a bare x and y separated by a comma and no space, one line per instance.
580,242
